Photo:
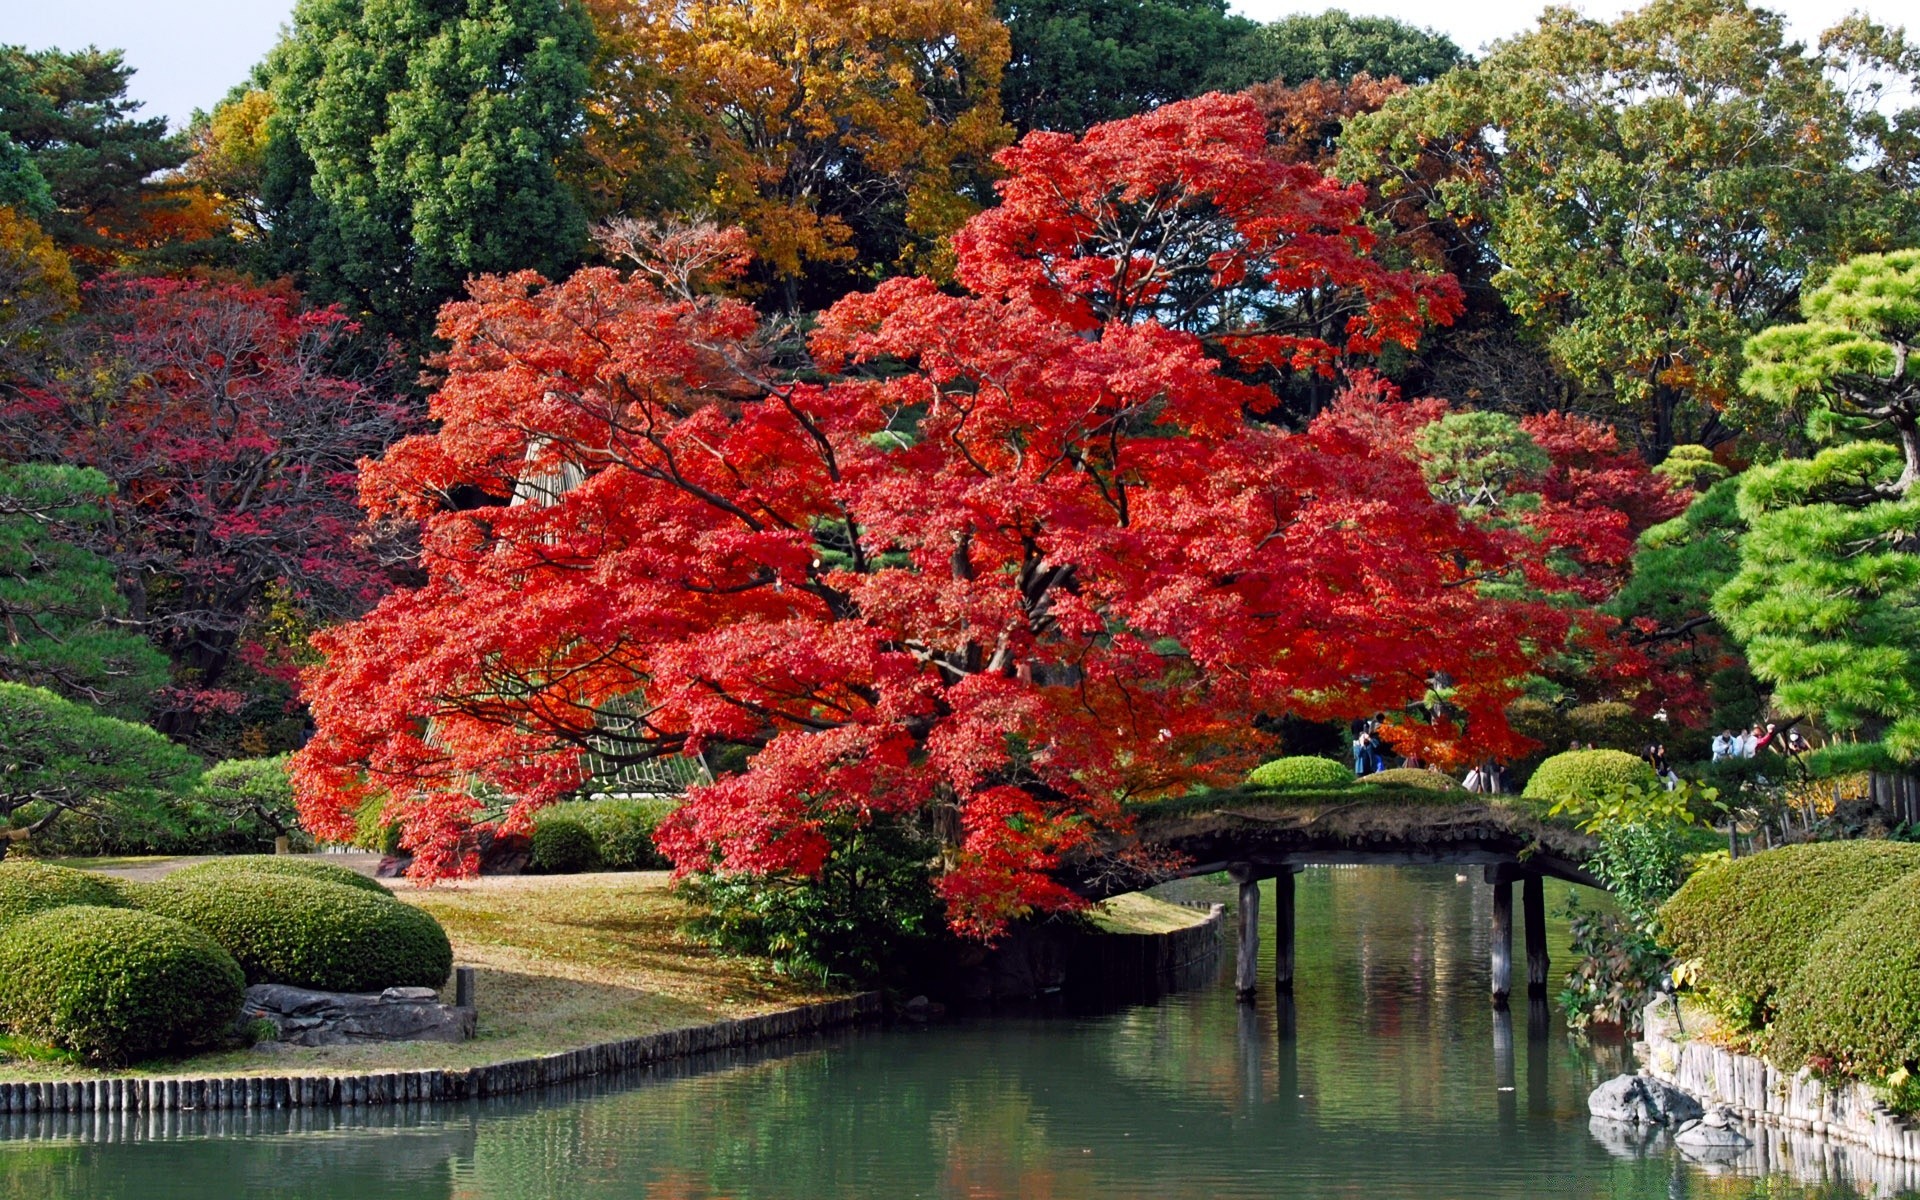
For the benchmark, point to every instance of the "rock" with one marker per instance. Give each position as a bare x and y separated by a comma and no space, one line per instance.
1641,1100
308,1018
1715,1133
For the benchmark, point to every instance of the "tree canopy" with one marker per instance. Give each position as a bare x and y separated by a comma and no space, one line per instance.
1665,184
1337,46
995,562
415,142
847,140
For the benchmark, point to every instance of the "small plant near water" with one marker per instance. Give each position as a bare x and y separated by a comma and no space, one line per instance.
1642,859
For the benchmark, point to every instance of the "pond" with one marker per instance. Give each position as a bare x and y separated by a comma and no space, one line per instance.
1390,1077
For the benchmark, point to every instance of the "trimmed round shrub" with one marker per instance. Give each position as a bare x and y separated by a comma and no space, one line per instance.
1583,776
311,934
562,846
1854,1006
1415,777
276,864
116,985
1609,723
1301,771
28,887
622,828
1752,923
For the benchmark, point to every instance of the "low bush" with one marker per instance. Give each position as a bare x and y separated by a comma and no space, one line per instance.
308,933
622,828
1750,924
1415,777
562,846
28,887
1853,1008
1300,771
1609,723
272,864
1581,777
115,985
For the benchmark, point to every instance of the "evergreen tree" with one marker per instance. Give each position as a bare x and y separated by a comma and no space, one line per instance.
1076,63
1827,598
1337,46
61,620
413,143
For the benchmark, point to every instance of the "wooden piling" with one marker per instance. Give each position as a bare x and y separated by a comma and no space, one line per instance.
1502,938
1283,928
1246,974
1534,903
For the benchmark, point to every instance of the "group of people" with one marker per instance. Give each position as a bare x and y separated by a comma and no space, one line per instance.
1732,743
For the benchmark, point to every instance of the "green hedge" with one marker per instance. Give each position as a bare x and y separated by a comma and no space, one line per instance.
1414,777
1854,1007
622,828
1752,923
271,864
561,846
1583,776
115,985
28,887
310,934
1300,771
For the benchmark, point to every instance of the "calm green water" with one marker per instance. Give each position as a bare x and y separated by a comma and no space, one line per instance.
1390,1078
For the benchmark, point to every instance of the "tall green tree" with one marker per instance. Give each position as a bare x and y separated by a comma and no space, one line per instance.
1667,183
413,143
1827,598
22,187
1337,46
62,622
69,111
1076,63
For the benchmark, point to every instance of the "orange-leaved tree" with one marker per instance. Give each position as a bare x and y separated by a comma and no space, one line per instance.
848,140
999,562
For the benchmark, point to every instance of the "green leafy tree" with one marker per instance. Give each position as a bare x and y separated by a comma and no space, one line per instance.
1666,184
61,617
1076,63
1473,459
64,759
1336,45
413,143
70,112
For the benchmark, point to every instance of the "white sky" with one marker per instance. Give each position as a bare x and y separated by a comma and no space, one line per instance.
189,52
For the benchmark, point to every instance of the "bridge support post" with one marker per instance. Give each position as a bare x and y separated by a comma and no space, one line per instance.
1533,901
1502,939
1283,928
1246,969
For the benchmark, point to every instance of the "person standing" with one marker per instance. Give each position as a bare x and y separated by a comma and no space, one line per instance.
1722,745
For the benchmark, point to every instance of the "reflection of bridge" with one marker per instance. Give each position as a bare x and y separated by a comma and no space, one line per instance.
1254,836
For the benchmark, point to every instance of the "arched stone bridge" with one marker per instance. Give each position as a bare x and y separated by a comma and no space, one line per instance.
1255,836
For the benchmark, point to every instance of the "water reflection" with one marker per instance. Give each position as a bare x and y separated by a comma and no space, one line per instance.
1385,1074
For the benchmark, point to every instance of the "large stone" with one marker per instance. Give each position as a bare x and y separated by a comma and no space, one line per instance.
309,1018
1640,1100
1714,1134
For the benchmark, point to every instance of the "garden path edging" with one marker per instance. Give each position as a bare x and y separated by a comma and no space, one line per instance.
238,1092
1764,1095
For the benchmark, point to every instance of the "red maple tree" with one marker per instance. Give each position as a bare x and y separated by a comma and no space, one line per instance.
1003,560
230,422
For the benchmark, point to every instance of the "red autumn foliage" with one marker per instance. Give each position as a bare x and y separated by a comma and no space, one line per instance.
231,431
1003,561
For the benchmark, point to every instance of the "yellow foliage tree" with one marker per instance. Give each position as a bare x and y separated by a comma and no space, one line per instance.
847,139
37,286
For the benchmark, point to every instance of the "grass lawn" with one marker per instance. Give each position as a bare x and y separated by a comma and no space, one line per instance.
563,961
1137,912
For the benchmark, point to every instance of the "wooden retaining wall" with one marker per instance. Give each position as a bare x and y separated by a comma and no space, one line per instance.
254,1092
1762,1094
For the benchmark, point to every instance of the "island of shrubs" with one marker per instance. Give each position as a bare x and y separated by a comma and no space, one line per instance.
118,972
1808,954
